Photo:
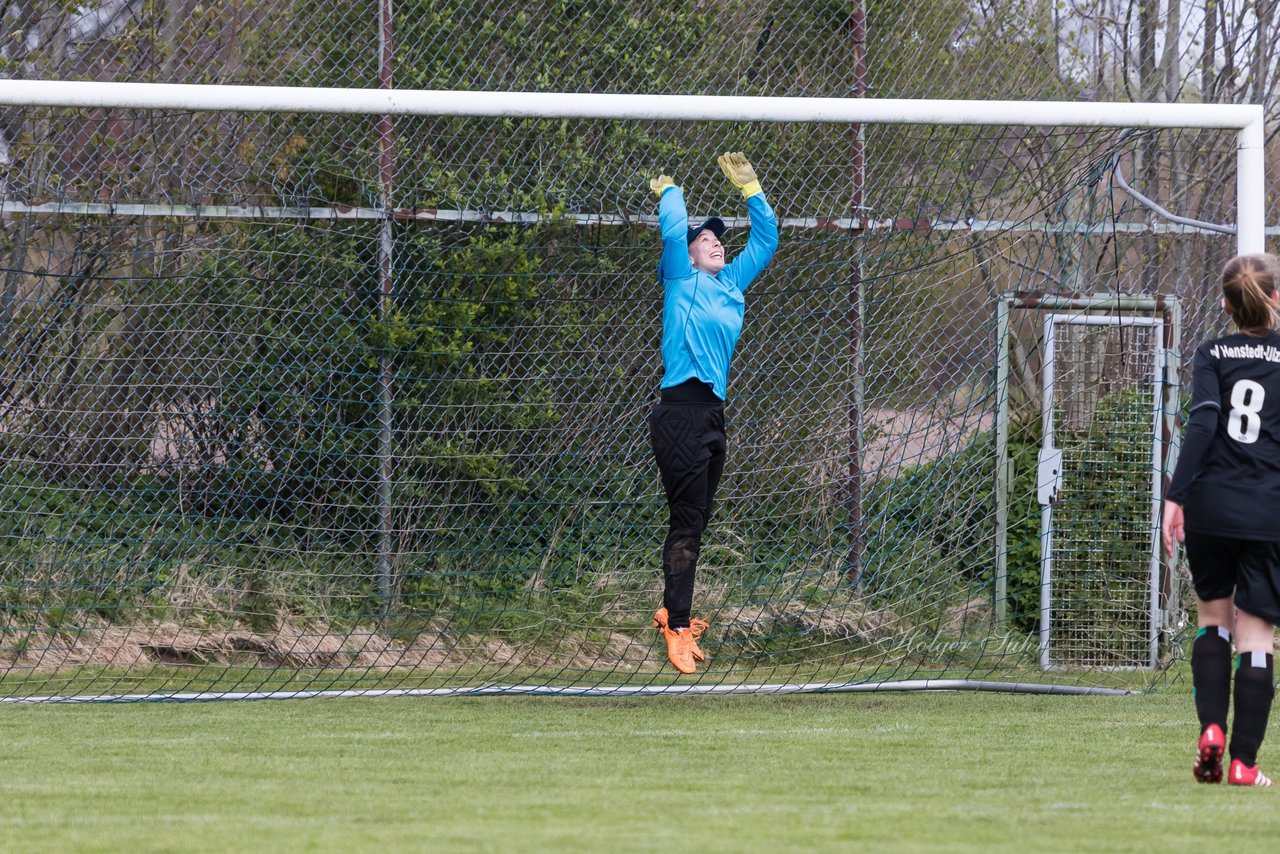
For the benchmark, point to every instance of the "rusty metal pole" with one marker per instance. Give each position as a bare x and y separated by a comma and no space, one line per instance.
386,174
858,23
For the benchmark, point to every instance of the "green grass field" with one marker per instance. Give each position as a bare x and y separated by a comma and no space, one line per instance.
937,771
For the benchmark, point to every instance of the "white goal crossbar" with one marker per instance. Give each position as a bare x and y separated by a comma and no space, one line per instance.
1246,119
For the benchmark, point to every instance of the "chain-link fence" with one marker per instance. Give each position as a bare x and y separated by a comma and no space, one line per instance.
302,401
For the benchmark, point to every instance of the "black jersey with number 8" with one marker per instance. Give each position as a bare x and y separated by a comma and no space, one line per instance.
1237,491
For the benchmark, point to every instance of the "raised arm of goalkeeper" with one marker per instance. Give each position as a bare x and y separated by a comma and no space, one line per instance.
763,242
682,252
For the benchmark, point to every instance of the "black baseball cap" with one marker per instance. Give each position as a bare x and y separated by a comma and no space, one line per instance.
715,224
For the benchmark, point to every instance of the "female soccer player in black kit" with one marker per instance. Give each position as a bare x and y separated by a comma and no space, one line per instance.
1227,483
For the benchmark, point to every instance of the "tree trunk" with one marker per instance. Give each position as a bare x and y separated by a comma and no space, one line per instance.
1263,51
1149,84
141,376
1180,249
1208,57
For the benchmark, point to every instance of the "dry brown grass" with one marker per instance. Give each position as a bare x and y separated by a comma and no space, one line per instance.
96,643
296,646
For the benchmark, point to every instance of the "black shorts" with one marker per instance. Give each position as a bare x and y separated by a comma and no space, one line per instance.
1251,568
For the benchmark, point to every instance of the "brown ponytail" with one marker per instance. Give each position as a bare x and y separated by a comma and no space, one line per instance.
1249,283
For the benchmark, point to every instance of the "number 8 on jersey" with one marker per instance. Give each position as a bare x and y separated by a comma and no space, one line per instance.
1244,421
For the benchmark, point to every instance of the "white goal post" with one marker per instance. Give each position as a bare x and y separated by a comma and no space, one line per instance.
1246,119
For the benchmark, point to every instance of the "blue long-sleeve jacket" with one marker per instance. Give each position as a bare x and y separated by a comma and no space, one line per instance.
701,313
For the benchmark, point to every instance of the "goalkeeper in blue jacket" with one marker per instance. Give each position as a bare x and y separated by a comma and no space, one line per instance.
702,311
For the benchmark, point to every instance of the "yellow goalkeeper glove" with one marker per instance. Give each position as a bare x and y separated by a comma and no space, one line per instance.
660,184
738,170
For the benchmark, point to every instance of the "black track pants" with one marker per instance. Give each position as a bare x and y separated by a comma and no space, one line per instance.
689,444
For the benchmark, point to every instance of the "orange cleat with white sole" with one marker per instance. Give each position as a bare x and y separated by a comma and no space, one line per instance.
1208,767
1247,775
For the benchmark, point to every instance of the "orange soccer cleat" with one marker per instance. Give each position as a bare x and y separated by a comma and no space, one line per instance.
1208,767
696,628
680,648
